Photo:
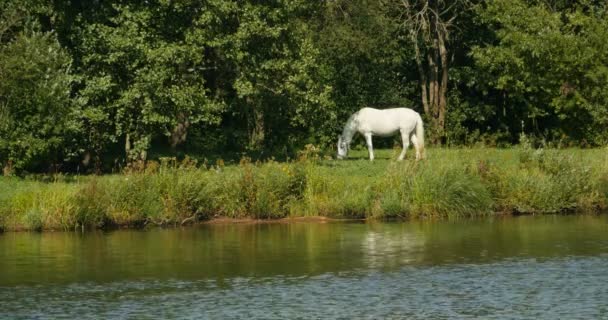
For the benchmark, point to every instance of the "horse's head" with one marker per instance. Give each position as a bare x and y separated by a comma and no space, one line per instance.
342,148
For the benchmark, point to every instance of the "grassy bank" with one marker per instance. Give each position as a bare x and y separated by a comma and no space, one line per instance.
450,183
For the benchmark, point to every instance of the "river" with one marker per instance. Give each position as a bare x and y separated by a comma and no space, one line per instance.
549,267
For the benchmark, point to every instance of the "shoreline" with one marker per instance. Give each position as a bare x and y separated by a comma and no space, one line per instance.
227,221
286,220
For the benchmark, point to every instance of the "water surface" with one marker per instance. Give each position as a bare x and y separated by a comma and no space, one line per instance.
518,268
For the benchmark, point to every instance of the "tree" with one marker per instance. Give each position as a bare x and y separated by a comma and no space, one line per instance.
36,114
429,26
362,61
264,61
549,63
141,76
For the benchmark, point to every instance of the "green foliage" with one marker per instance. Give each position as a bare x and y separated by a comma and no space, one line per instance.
142,78
549,66
268,66
96,86
37,119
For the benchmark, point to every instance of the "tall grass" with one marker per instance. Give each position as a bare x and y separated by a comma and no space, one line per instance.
32,205
450,183
548,181
446,189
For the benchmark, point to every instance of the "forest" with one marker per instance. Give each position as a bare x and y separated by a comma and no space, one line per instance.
89,86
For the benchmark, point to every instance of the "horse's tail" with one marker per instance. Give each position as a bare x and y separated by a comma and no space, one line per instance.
420,136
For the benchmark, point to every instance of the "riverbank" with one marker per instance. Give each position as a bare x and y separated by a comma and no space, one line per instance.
450,183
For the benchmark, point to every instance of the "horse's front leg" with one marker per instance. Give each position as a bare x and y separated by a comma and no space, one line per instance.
370,148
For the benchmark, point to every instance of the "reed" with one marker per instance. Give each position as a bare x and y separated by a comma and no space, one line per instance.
450,183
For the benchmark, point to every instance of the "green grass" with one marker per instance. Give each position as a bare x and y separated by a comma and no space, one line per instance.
449,183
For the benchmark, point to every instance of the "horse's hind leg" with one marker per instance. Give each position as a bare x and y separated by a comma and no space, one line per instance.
370,148
416,146
406,143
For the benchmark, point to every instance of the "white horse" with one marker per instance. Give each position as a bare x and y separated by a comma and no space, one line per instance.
384,123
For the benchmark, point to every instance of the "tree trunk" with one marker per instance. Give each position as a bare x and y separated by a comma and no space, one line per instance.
180,132
428,24
423,80
443,52
256,125
434,87
128,146
432,81
7,170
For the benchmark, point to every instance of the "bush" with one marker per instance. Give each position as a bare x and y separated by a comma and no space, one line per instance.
546,181
271,190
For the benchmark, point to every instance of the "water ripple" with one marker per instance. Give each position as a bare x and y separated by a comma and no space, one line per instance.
563,288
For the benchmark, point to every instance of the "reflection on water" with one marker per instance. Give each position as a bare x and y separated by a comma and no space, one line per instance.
548,267
385,246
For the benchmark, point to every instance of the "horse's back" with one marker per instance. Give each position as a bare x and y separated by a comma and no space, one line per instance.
392,112
389,115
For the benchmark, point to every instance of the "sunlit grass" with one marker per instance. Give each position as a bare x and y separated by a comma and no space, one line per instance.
449,183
